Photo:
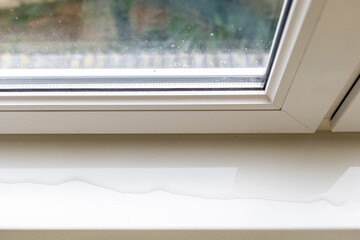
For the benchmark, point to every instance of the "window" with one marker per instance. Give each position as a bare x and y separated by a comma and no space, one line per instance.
302,70
139,45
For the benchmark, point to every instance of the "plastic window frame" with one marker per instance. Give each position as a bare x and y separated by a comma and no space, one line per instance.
271,110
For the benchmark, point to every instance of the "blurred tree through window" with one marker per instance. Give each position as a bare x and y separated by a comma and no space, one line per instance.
173,28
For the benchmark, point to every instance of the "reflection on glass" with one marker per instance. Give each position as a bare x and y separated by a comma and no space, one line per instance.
137,33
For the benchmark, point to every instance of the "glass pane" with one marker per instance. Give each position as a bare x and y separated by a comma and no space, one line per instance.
124,39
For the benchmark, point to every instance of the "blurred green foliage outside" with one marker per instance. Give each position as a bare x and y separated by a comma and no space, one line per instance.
188,25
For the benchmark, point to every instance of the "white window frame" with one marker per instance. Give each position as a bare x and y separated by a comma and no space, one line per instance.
293,101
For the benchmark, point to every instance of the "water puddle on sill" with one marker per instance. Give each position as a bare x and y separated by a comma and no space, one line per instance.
205,183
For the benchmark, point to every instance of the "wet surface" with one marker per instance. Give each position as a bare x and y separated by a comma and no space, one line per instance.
207,182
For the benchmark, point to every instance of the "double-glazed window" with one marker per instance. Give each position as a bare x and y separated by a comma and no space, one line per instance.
141,45
171,66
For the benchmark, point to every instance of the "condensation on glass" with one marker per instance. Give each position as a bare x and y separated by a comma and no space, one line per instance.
137,43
